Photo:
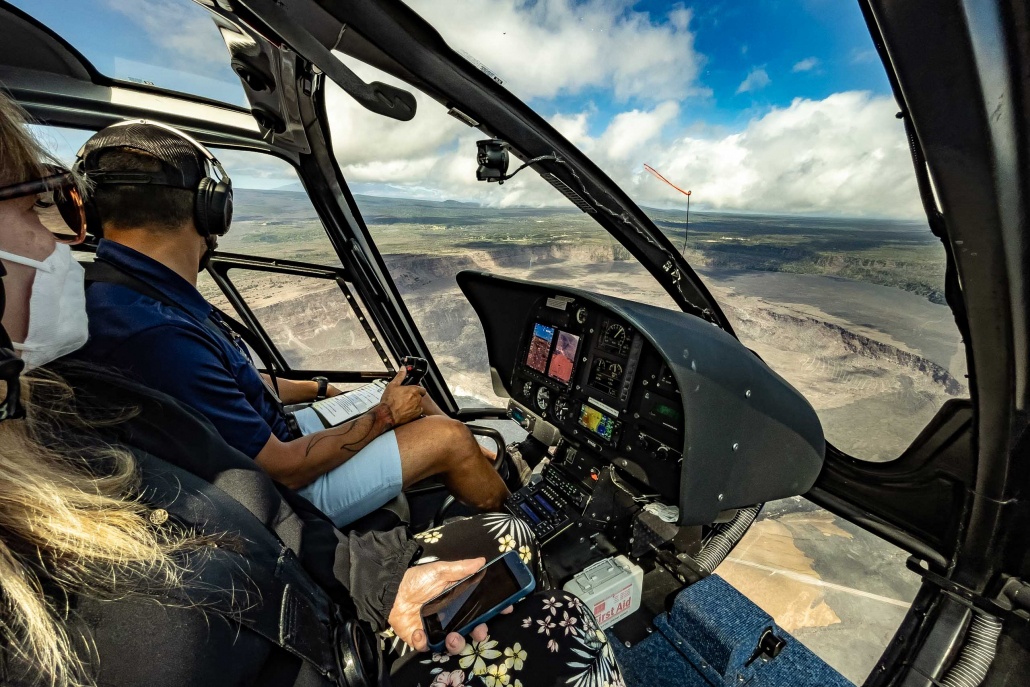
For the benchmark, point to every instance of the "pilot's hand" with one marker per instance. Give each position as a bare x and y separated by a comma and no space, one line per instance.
404,402
421,584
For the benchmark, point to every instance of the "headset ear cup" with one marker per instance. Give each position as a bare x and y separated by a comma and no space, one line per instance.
202,206
221,205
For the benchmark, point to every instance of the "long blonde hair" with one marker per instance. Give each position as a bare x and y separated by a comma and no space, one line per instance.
68,516
21,156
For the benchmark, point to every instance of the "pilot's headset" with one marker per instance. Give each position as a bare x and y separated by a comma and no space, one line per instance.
186,164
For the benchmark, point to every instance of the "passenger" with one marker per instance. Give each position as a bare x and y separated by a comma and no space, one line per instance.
158,231
140,548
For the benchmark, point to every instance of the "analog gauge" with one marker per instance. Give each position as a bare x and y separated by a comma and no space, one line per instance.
606,376
581,316
561,408
527,389
615,335
543,398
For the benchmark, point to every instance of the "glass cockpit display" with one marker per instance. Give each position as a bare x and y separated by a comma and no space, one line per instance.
597,422
539,347
563,360
593,377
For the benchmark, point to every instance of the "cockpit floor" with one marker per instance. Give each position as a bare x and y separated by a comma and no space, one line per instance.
710,638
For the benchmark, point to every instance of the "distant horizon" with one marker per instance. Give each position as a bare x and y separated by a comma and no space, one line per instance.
296,187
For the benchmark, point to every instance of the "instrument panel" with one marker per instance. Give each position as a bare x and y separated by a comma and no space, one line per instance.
606,388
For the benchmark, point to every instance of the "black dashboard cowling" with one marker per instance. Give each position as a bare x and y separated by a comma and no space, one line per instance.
749,436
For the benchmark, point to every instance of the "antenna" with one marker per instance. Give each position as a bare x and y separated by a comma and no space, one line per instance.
686,226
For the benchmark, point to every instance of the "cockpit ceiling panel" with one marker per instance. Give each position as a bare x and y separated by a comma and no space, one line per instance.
171,45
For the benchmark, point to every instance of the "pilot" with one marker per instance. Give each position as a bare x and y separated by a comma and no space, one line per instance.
140,548
161,213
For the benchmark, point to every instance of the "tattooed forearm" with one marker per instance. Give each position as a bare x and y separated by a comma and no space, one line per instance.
357,433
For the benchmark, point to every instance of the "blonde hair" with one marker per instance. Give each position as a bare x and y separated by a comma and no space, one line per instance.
68,516
63,523
21,156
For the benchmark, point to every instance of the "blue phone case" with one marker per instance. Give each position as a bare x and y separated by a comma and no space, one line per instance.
522,573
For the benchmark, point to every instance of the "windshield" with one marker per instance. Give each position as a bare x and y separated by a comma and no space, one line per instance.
804,217
171,44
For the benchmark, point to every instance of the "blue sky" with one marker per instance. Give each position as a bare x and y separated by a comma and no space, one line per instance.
763,105
807,49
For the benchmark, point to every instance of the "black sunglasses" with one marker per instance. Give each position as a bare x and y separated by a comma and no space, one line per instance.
60,205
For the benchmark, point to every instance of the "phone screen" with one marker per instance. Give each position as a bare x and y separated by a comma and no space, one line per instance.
469,599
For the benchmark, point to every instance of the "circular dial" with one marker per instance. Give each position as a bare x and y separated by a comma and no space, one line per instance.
543,398
527,389
612,371
561,408
615,335
581,316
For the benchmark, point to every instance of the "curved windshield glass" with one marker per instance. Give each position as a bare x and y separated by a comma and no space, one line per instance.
804,218
415,184
171,44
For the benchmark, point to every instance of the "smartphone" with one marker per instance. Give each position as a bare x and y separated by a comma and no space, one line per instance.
477,598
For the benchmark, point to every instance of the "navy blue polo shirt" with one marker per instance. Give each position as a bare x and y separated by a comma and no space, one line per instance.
171,350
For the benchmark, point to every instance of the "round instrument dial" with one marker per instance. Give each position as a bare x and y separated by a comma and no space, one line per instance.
581,315
543,398
615,335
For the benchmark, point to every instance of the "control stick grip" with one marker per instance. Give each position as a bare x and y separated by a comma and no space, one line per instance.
416,369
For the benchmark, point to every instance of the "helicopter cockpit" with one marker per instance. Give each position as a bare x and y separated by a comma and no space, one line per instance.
662,433
657,434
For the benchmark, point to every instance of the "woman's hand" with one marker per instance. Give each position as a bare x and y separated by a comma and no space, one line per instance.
421,584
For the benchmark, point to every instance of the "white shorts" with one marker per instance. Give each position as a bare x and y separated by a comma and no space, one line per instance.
364,483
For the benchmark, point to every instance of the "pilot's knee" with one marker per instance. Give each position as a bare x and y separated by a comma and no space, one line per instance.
457,437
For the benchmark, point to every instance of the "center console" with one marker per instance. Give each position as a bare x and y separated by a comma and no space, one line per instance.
596,378
665,433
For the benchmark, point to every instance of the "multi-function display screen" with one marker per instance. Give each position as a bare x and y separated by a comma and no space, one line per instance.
597,422
564,357
539,347
665,411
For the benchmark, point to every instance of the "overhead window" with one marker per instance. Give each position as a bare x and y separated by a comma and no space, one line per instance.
171,44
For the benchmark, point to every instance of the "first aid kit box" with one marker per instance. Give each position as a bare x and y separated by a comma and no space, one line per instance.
611,589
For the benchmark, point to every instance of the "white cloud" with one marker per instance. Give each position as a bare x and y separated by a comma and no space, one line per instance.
554,47
756,80
863,56
806,65
843,155
183,30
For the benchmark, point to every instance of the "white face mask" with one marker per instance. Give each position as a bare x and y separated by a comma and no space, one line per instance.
57,307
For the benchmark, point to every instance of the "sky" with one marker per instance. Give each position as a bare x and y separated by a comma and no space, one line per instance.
754,105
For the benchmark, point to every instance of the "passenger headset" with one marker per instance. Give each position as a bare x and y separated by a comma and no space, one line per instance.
212,209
